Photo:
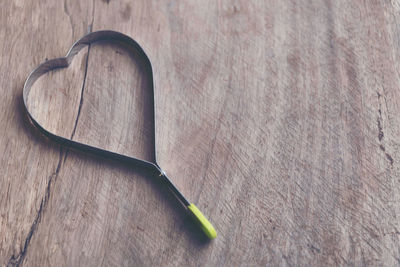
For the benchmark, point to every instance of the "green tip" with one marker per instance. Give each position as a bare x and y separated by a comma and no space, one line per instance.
205,225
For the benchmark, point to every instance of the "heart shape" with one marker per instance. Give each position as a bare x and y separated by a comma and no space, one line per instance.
132,49
150,162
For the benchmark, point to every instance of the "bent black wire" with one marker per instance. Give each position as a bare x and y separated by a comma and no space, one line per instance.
64,62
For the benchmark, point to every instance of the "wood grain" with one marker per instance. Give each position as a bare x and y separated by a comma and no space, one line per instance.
278,119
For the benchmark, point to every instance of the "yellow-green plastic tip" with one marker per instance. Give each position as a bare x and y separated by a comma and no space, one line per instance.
205,225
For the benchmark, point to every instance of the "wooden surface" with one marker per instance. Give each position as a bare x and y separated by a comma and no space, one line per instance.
278,119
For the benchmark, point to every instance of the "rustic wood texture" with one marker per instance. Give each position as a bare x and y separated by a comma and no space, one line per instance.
278,119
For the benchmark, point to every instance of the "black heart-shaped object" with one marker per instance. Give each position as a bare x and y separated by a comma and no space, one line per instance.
64,62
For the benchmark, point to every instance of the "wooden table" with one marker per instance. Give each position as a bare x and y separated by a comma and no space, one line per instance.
278,119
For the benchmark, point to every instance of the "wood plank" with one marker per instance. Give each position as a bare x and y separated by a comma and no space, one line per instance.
277,119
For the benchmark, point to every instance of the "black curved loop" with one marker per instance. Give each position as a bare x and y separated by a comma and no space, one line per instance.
65,62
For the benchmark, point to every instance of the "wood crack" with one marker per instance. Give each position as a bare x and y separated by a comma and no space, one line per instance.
81,97
381,134
16,260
